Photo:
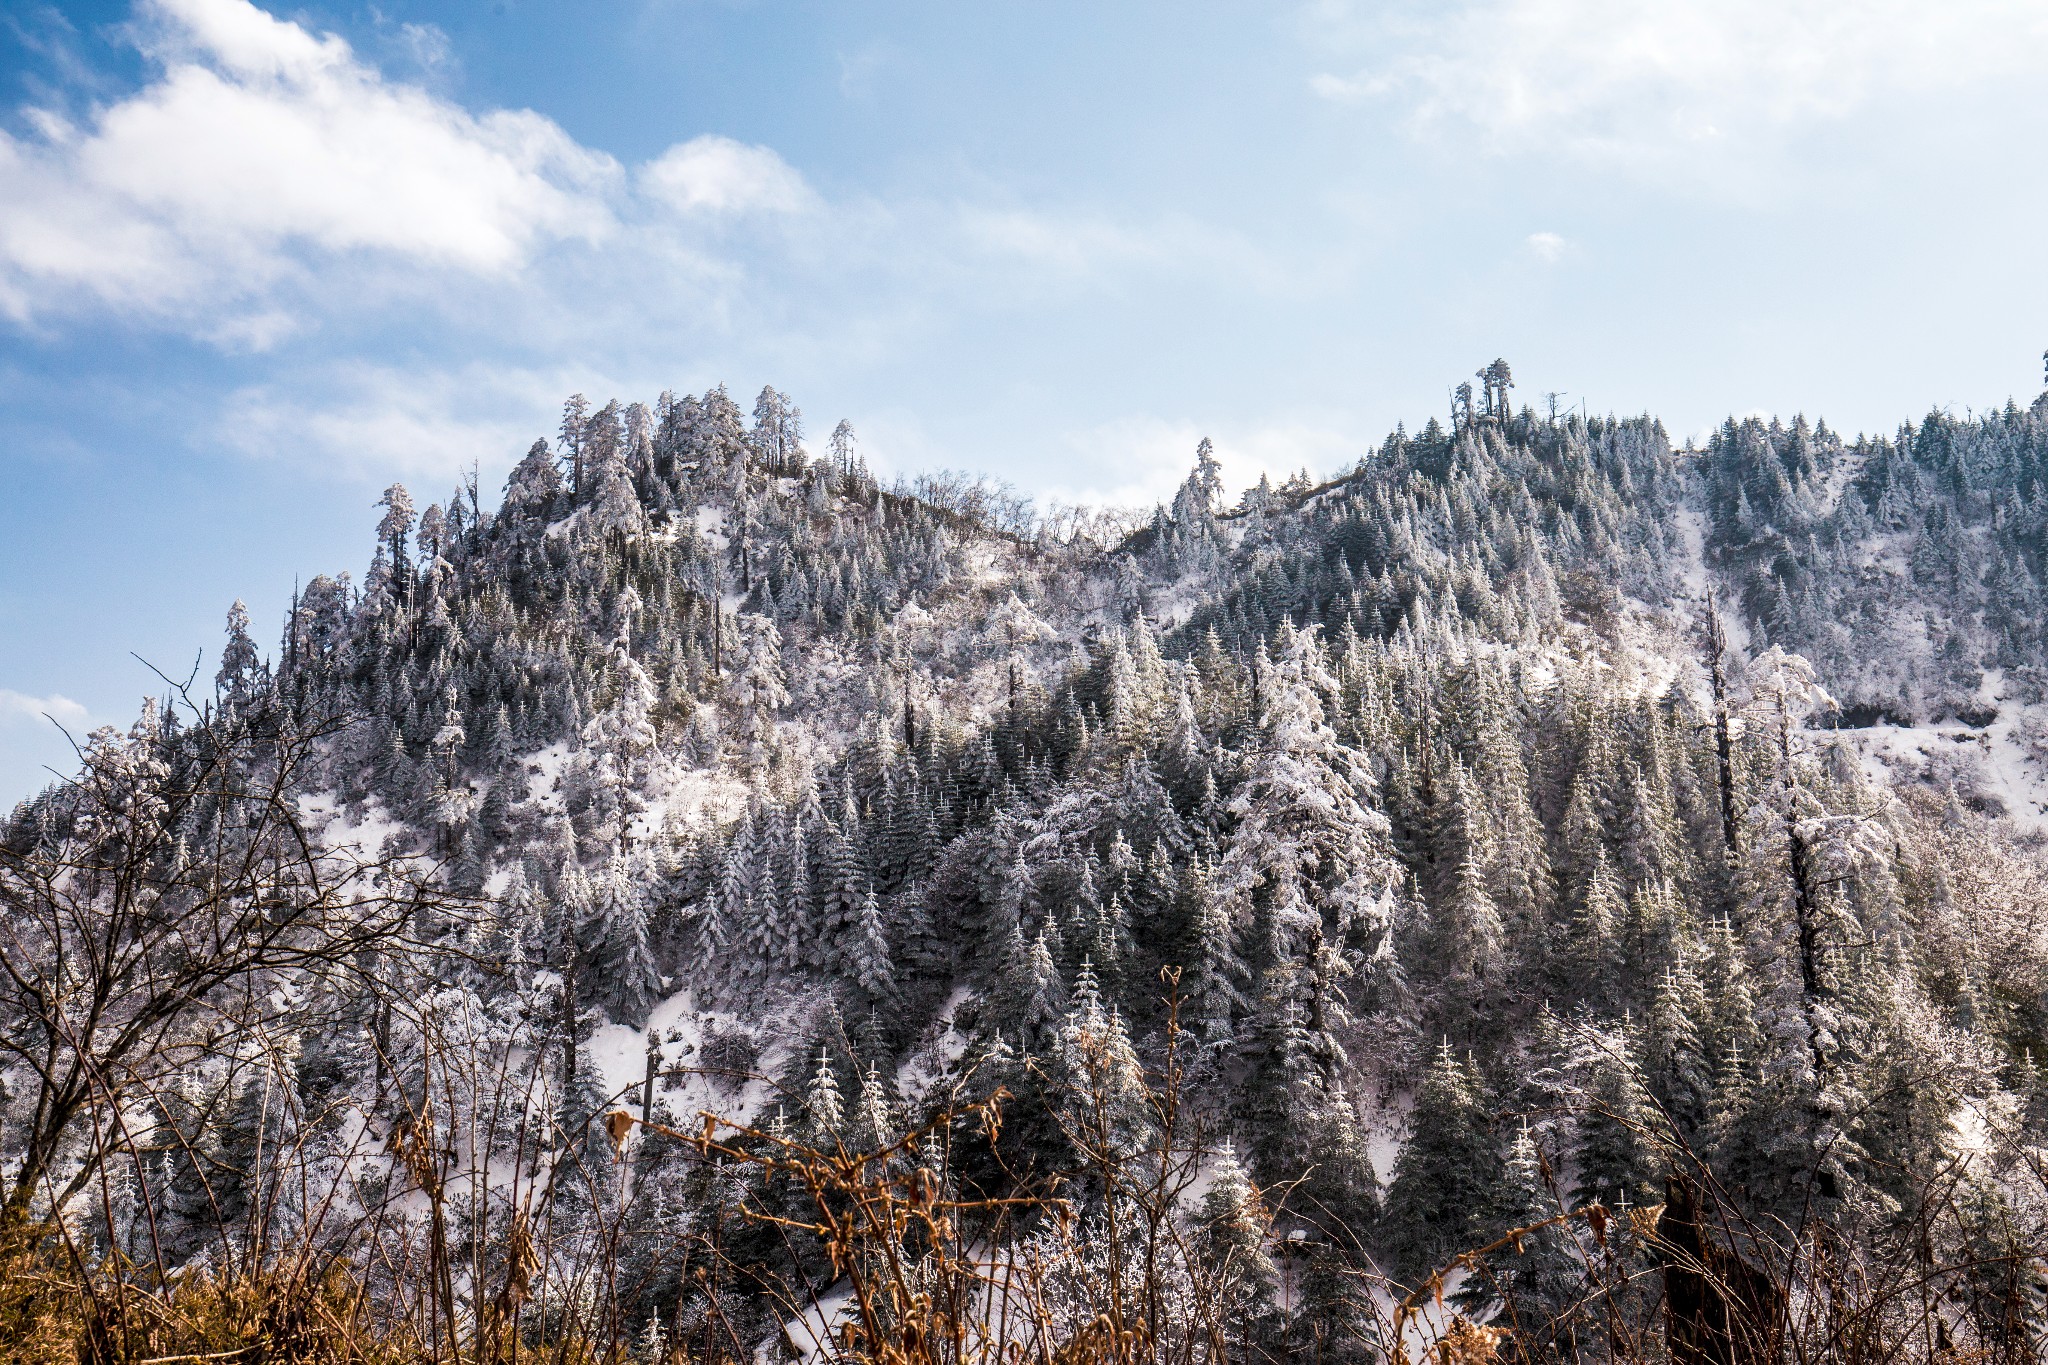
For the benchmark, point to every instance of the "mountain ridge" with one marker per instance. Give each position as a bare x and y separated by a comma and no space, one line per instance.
1396,802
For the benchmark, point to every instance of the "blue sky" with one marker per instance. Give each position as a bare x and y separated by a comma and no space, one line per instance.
257,263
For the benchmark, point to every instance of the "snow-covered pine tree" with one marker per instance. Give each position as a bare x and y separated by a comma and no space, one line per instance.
1446,1188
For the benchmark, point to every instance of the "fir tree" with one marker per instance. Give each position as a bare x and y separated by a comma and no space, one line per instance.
1444,1195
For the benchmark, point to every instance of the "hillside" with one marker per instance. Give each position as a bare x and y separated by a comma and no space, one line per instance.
1533,817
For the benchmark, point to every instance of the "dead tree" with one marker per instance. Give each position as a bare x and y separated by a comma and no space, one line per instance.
156,910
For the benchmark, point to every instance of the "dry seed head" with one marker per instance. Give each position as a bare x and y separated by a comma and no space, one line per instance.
1467,1343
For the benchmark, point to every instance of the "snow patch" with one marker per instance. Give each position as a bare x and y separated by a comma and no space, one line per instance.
697,795
711,527
619,1055
1995,762
544,769
1692,535
366,831
811,1333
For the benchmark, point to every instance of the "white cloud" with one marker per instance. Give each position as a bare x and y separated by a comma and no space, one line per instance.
262,150
1622,80
19,706
266,181
1546,246
712,174
268,189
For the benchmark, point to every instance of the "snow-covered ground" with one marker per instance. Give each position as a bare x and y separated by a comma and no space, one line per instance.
678,1024
711,526
544,775
365,831
1993,761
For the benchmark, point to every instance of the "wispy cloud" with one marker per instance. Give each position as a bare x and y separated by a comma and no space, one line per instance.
1621,81
20,706
376,421
712,174
859,69
1141,460
1075,245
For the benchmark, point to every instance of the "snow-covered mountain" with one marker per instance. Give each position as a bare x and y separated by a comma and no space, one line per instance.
1529,817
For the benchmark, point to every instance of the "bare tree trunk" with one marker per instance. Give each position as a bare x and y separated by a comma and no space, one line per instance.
1718,1308
1724,744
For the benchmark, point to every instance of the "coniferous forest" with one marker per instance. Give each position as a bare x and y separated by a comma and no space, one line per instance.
1544,893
